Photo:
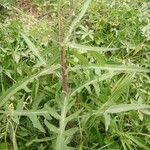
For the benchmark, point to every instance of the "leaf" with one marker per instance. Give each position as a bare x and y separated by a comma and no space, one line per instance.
27,89
140,115
101,78
120,87
32,114
22,83
52,112
126,107
3,146
73,116
16,57
97,88
40,112
34,49
19,108
81,58
107,120
36,140
77,19
122,68
138,142
36,123
90,48
70,131
145,111
51,127
99,57
72,102
37,101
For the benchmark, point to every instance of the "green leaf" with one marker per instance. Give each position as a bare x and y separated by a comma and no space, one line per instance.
73,116
121,68
72,102
120,87
52,112
3,146
20,106
37,100
81,58
36,140
100,58
22,83
40,112
90,48
51,127
97,88
145,111
139,142
77,19
71,131
34,49
107,120
126,107
36,123
99,79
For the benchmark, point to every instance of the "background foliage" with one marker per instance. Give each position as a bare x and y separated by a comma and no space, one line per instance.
109,89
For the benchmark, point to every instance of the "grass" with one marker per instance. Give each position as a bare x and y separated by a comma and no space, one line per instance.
74,75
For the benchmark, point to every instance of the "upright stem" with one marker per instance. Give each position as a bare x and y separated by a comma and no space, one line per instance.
62,49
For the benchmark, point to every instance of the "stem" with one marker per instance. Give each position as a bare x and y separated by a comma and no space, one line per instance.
62,49
60,139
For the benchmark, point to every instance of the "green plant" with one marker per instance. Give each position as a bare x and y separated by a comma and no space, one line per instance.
62,86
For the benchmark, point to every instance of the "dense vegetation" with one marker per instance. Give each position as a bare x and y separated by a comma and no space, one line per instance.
75,74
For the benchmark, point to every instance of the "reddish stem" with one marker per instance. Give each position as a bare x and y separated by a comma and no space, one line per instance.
62,51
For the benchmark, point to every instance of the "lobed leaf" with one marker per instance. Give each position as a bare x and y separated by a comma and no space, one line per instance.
73,116
52,112
109,67
34,50
90,48
51,127
126,107
22,83
77,19
71,131
36,123
101,78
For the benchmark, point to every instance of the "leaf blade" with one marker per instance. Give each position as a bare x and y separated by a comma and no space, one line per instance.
22,83
36,123
33,48
51,127
90,48
77,19
126,107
